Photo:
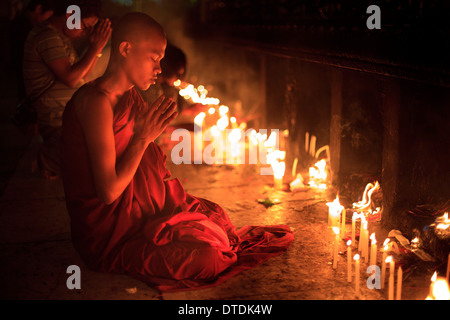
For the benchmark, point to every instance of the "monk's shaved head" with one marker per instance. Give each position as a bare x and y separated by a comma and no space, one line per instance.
135,27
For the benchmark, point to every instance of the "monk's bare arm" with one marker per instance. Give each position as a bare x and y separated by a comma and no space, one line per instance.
70,74
112,176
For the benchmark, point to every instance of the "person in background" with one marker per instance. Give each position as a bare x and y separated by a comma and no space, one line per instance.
52,71
35,13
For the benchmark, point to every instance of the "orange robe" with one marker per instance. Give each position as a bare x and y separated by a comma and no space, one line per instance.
154,230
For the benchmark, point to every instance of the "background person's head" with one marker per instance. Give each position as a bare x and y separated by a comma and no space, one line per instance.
138,44
40,10
90,10
173,65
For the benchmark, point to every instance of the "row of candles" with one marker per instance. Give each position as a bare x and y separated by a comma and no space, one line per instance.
337,221
232,144
317,179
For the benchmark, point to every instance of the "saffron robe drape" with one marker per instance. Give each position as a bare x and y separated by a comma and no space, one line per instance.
154,231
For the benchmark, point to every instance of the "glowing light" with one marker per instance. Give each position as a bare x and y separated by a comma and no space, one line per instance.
318,175
367,196
223,110
198,120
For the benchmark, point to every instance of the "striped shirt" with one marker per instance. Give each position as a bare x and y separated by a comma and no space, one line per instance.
43,45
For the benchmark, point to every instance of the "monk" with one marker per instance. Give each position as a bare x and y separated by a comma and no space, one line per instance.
127,216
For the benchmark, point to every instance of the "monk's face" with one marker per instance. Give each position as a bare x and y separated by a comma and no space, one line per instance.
143,62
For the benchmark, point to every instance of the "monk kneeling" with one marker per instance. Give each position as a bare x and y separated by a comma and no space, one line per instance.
127,216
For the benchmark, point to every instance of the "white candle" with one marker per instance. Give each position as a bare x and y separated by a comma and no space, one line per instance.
365,249
343,221
448,269
391,277
361,233
349,261
336,247
355,215
399,283
357,274
373,250
383,263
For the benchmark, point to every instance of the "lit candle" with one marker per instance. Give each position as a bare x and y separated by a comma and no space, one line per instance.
441,290
336,247
373,250
334,212
399,283
433,280
383,262
391,261
357,274
349,261
355,215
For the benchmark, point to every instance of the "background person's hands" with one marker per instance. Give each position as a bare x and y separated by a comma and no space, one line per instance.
99,36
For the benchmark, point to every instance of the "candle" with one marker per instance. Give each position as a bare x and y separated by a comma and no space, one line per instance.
399,283
343,221
448,269
433,280
349,261
336,247
357,274
383,262
334,211
365,248
441,290
373,250
355,215
391,261
361,233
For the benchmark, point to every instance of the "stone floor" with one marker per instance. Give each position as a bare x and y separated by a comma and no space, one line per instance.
36,249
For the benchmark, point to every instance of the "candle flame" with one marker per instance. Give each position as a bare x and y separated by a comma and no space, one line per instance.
385,243
349,242
443,222
318,175
211,110
223,110
198,120
372,237
388,259
434,277
356,257
367,196
336,230
297,183
335,208
441,290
